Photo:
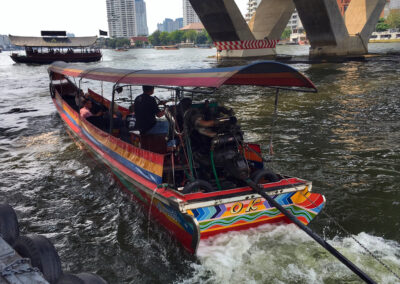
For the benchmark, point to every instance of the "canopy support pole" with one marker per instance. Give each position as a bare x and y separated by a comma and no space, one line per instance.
130,94
112,109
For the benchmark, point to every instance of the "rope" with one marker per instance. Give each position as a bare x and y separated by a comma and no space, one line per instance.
360,244
271,150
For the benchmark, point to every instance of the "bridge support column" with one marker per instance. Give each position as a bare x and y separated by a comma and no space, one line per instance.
328,32
271,18
263,52
224,22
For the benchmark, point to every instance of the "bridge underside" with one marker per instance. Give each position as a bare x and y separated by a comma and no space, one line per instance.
328,32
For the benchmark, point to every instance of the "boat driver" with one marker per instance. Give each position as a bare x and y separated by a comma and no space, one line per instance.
146,109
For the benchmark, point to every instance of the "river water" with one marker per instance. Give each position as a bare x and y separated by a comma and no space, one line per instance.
345,138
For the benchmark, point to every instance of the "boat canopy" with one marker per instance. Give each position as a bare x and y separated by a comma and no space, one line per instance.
53,41
262,73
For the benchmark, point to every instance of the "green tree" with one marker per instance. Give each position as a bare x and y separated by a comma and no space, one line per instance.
381,25
286,33
139,43
164,40
202,37
190,35
175,37
122,42
154,38
209,39
393,20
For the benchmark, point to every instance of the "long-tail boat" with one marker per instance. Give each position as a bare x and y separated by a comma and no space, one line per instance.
55,46
200,186
166,47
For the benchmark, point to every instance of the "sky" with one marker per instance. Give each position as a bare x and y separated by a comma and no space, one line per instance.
81,17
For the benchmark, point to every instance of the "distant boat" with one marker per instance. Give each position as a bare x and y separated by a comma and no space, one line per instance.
204,45
55,46
121,49
299,38
167,47
389,36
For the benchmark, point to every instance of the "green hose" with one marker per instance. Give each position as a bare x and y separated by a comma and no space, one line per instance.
214,170
190,157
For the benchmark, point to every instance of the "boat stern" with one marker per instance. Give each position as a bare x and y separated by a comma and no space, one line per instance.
251,210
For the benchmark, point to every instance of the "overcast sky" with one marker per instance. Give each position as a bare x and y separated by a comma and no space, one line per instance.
81,17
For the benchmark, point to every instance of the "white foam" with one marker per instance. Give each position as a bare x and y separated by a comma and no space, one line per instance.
285,254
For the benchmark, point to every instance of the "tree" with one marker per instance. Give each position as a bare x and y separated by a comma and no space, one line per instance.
164,38
209,39
393,20
122,42
190,35
201,37
175,37
381,25
286,33
154,39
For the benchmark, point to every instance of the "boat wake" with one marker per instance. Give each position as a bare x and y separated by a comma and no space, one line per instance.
285,254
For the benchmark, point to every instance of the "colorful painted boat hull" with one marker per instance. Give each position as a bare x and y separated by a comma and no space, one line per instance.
190,217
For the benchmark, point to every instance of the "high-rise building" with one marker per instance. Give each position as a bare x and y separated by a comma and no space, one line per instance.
141,17
189,15
294,23
394,4
251,9
170,25
121,18
4,42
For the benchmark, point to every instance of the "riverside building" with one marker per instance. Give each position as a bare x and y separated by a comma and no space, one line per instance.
121,17
189,15
141,17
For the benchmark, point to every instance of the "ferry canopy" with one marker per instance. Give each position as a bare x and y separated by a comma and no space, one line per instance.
262,73
52,41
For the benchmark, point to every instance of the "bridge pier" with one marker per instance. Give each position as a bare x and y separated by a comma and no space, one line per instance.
329,34
262,52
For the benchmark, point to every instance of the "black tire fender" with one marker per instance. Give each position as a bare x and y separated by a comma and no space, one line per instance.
9,227
197,185
42,254
68,278
91,278
81,278
265,174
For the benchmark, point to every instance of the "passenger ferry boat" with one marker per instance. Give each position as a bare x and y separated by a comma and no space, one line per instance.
392,35
202,185
55,46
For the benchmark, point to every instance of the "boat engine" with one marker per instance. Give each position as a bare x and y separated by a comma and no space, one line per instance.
217,148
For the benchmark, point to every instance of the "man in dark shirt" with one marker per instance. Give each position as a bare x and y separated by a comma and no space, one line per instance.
146,110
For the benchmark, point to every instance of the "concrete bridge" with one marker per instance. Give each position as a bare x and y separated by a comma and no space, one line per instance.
329,33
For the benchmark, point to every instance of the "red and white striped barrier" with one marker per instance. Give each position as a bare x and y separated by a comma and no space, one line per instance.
245,44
